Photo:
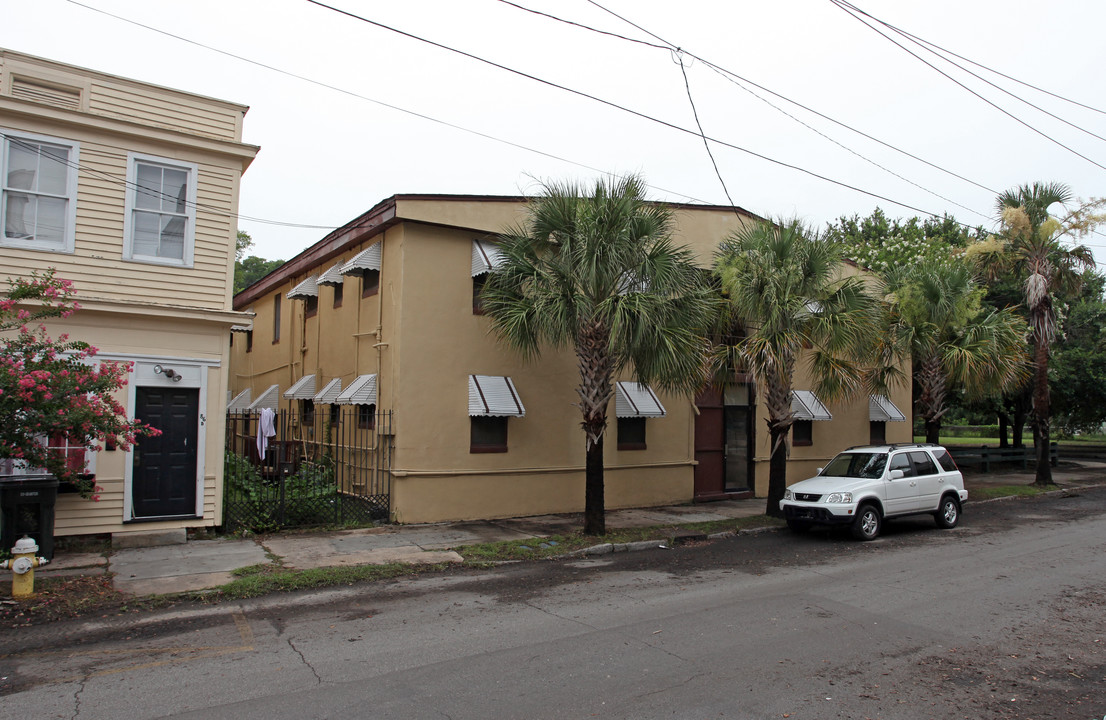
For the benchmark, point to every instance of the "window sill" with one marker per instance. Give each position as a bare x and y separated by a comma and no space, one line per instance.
474,449
631,446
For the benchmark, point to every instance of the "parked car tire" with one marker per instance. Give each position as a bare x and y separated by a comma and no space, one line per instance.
867,524
797,526
948,514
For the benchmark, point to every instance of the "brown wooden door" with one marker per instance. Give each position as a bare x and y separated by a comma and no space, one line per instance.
710,472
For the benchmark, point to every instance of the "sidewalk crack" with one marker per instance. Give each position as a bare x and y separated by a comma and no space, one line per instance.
318,680
77,698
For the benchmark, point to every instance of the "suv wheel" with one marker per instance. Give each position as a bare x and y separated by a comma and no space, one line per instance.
867,523
948,513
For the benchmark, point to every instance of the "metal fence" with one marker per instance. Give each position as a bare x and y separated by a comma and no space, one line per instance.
328,467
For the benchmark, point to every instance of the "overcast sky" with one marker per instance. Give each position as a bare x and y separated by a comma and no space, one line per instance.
330,153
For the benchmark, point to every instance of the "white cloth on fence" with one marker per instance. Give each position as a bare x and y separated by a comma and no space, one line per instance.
265,430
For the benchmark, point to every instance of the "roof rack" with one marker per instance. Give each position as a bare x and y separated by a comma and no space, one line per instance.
894,446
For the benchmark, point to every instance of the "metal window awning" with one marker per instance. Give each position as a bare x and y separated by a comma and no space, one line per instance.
367,259
241,328
304,389
361,391
805,405
633,400
881,409
307,288
268,399
241,401
330,393
333,276
485,257
494,396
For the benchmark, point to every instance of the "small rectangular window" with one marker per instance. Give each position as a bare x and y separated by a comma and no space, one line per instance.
39,188
488,434
160,221
311,306
338,295
631,433
478,282
877,433
366,417
249,340
335,415
276,318
370,283
307,412
802,432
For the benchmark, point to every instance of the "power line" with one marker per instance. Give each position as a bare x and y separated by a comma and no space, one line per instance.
1004,111
683,71
381,103
738,80
616,106
924,46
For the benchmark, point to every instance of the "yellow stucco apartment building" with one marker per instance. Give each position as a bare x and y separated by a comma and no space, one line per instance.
130,190
381,316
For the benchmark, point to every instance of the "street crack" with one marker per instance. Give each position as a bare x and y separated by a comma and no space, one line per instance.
318,679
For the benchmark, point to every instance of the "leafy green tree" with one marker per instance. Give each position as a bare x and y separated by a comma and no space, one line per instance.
251,269
954,342
1077,371
242,243
596,270
1029,246
788,286
881,244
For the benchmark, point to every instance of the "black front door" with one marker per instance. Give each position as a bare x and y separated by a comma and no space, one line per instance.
164,472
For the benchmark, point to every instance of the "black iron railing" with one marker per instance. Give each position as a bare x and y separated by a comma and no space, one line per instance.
321,468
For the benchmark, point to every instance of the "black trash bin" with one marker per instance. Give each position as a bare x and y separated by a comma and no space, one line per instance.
27,508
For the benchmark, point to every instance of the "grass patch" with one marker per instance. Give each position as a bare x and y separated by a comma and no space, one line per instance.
556,545
989,493
257,580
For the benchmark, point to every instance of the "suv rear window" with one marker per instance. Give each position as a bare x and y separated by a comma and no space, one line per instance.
943,457
857,465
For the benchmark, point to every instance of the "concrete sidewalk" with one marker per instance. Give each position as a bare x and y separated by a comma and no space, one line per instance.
204,564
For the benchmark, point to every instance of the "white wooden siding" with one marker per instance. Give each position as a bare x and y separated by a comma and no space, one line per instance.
147,106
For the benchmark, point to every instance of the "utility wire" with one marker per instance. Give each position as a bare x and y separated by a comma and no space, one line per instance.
925,47
730,74
616,106
980,65
1004,111
381,103
683,71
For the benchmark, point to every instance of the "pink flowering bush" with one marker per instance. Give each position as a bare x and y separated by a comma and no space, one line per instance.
56,402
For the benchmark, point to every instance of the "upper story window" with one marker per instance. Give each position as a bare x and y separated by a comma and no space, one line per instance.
39,205
160,223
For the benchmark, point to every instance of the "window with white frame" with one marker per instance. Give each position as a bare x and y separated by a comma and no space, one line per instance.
39,206
160,224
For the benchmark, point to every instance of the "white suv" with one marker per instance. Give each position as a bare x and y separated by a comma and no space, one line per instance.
864,485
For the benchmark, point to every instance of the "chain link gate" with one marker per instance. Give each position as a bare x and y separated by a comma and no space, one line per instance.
320,468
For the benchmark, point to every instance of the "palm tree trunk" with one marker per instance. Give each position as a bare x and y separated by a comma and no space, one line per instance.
1003,429
931,396
777,469
595,392
1041,412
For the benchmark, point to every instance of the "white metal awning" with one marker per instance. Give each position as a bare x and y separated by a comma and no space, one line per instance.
494,396
881,409
304,389
367,259
632,400
333,276
241,401
329,394
485,257
307,288
268,399
805,405
361,391
241,328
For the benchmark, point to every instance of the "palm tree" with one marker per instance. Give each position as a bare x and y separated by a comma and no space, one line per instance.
952,341
1032,249
598,272
784,283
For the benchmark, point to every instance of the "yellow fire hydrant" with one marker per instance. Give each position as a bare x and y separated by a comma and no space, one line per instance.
23,564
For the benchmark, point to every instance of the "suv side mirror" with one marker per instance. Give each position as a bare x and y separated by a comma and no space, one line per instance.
819,471
896,474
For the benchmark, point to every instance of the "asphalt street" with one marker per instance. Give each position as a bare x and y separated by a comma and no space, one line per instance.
1000,617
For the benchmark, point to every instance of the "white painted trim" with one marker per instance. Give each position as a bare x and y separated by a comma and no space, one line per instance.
190,209
68,241
193,375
